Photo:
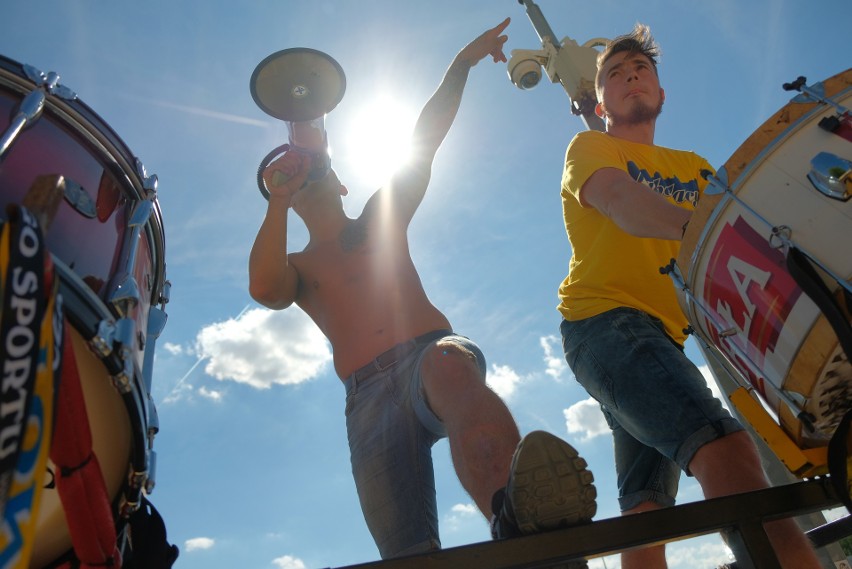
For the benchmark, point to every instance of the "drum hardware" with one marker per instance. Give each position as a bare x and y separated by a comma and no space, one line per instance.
153,429
30,108
815,92
125,290
781,237
149,183
101,239
831,175
125,331
79,199
783,395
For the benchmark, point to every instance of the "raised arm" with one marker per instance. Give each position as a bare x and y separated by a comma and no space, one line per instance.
437,116
273,281
440,111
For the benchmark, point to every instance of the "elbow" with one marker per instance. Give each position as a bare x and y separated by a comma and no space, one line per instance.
269,297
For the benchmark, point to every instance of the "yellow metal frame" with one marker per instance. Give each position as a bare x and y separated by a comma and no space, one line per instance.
803,463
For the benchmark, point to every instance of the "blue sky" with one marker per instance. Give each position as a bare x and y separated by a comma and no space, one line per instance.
253,464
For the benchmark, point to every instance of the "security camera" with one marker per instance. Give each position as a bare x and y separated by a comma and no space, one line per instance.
526,74
524,68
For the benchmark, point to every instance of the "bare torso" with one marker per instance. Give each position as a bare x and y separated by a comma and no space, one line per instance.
363,292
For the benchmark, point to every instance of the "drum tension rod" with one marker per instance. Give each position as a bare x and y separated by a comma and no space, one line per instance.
831,123
30,108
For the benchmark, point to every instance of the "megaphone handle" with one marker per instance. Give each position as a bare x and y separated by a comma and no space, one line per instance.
264,163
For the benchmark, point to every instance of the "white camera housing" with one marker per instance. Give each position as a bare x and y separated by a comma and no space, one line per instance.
524,68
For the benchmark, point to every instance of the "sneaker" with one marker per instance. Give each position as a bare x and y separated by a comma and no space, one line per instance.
549,488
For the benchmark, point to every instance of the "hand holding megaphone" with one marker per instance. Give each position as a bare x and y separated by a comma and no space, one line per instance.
299,86
285,175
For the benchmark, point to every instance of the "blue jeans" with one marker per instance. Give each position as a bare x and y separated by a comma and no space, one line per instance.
653,397
391,433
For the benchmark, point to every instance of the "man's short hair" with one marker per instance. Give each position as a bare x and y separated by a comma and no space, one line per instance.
639,40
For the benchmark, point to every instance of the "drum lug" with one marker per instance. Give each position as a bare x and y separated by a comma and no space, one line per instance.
125,291
101,342
165,293
831,175
150,481
125,331
149,183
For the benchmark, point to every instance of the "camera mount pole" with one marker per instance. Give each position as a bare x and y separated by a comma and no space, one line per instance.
572,65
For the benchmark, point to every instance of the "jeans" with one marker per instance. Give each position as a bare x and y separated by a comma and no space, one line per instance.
391,433
655,400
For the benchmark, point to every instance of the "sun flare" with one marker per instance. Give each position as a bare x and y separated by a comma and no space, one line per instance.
378,139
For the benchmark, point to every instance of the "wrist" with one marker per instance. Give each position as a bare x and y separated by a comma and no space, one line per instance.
280,201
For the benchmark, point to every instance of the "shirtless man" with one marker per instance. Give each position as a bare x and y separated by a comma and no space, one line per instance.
409,379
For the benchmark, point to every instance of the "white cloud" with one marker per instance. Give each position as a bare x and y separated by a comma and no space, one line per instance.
503,380
465,509
210,393
686,555
706,551
198,543
288,562
264,347
555,365
586,418
459,516
174,349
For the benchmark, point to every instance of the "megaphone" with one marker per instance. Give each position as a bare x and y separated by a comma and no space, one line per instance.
299,86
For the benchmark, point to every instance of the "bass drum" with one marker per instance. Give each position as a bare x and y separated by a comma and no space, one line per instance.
787,188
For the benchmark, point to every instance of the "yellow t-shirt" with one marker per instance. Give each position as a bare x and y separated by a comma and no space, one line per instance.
610,268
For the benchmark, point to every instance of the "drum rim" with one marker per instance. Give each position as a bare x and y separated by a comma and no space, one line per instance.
77,295
109,147
816,108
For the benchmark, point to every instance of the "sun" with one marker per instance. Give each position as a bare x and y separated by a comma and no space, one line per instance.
377,140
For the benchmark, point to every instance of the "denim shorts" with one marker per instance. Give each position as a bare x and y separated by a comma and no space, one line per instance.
391,432
653,397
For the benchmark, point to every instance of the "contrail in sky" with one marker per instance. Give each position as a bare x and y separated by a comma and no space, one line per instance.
205,112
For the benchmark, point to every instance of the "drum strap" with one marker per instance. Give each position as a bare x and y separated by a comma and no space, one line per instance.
838,460
29,358
837,312
80,482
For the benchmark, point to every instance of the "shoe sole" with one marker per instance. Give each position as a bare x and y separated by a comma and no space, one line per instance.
551,486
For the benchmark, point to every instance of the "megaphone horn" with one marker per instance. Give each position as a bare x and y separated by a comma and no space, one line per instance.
299,85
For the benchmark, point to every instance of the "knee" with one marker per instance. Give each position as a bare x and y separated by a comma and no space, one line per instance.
453,361
454,384
728,465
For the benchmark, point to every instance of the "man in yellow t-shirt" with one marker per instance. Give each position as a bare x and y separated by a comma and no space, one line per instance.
626,204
